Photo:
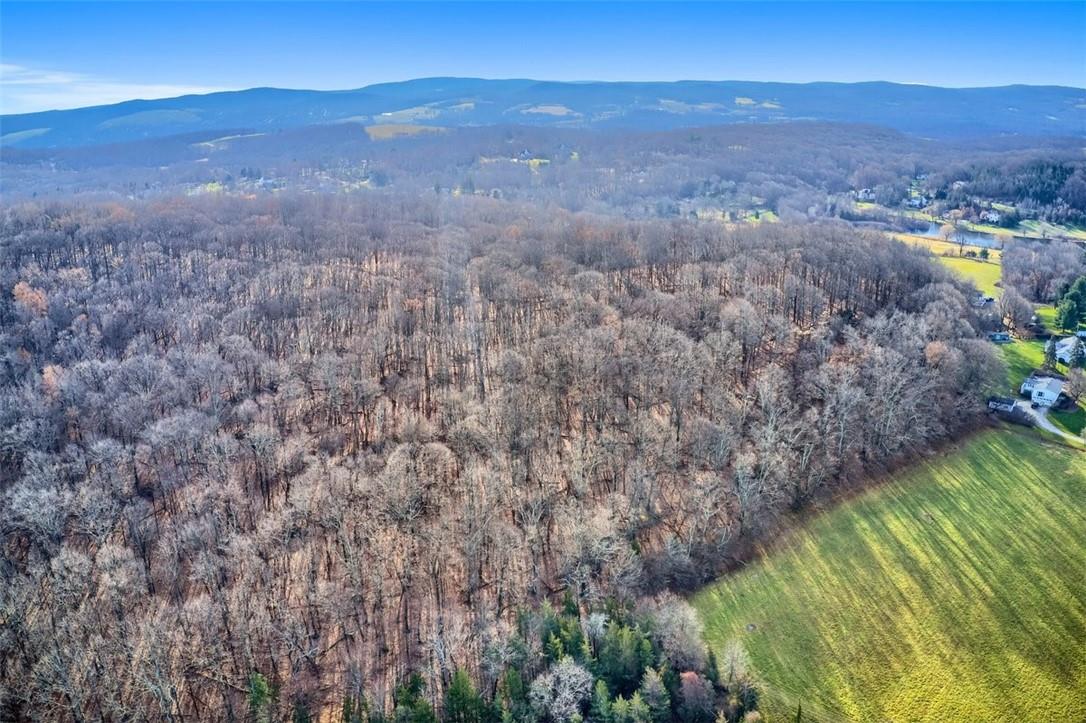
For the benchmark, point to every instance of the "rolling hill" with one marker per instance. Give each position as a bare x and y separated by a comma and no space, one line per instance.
452,102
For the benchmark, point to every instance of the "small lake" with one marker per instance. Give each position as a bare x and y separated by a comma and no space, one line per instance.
972,238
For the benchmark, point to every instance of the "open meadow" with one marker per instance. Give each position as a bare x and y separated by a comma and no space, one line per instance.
953,592
985,275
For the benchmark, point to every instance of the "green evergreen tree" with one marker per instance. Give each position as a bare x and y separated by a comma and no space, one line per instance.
1078,355
712,669
638,711
1067,315
600,710
1077,294
411,706
260,698
512,696
301,713
654,693
463,704
1050,354
624,655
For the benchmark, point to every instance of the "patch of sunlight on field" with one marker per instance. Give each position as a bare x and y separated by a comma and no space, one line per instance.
984,274
953,592
1048,230
386,131
1022,357
944,248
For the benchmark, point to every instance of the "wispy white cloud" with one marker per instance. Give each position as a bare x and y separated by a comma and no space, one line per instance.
25,89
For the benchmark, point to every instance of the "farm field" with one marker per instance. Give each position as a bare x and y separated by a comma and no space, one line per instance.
1048,230
387,131
934,597
985,275
944,249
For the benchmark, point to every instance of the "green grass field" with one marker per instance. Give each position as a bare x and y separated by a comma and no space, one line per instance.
952,593
1048,230
984,274
942,248
1073,421
1022,357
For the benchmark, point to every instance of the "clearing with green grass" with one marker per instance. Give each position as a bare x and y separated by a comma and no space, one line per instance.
953,592
1022,357
985,275
943,248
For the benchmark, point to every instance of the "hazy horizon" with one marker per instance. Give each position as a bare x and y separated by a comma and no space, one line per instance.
58,56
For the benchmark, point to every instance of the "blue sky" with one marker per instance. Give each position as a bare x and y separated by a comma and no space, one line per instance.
58,55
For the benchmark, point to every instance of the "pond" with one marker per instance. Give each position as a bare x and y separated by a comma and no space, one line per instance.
971,238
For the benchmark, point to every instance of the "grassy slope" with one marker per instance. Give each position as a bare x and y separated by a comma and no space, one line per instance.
1043,228
984,275
954,592
1022,357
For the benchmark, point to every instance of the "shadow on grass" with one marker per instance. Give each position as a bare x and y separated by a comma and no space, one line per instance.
955,591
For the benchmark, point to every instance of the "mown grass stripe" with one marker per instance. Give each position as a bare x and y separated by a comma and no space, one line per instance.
955,592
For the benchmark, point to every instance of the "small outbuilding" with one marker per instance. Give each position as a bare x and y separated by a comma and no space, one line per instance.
1001,404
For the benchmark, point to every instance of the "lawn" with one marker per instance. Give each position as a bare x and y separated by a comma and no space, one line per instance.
1048,230
1022,357
984,274
1047,314
1072,421
953,592
941,248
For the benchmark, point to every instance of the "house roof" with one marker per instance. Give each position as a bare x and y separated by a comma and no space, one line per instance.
1066,344
1048,384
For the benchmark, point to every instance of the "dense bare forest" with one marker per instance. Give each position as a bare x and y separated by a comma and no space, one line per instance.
398,453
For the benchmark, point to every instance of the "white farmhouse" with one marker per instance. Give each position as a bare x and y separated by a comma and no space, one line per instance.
1043,391
1065,348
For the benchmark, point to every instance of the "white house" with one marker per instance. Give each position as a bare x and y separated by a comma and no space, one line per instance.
1043,391
1065,348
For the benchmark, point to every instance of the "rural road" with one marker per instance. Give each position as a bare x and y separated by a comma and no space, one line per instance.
1040,416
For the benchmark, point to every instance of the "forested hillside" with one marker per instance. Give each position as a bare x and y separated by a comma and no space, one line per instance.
290,455
457,102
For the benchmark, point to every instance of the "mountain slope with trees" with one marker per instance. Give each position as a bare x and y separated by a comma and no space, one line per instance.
457,102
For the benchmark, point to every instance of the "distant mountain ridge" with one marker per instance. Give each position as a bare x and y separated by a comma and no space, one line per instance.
452,102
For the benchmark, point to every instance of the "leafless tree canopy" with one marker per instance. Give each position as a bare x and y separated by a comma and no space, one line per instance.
337,440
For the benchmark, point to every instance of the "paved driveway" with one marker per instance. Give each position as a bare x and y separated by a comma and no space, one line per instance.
1040,416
